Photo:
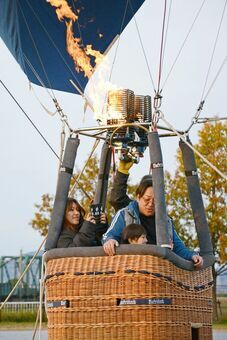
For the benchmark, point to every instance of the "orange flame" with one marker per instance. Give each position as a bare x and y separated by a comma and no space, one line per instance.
81,60
63,10
81,55
98,56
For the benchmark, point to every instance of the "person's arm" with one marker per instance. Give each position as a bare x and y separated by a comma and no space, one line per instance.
180,249
65,239
112,237
85,237
118,194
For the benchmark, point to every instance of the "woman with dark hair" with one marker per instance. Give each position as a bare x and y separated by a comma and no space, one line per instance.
78,231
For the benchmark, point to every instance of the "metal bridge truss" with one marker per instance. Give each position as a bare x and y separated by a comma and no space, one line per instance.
11,267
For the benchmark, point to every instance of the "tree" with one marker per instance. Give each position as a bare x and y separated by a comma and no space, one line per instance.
212,145
41,219
83,191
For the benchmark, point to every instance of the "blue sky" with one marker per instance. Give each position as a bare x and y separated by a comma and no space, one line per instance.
29,168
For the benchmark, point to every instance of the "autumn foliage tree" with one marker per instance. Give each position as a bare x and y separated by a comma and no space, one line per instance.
212,145
43,211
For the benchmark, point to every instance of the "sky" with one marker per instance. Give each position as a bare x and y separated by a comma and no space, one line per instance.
29,168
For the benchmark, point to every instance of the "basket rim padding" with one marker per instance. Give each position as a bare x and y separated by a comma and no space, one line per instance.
128,249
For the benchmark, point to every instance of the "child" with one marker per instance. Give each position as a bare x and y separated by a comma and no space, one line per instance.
134,234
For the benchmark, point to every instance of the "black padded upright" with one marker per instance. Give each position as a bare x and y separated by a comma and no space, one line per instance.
161,220
196,200
103,176
62,190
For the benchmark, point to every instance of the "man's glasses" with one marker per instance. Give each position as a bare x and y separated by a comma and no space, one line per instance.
147,200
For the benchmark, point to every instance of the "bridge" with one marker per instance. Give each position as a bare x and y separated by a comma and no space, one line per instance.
11,267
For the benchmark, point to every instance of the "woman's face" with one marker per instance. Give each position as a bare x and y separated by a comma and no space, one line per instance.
72,216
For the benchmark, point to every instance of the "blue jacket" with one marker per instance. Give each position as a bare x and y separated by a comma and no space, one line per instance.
120,221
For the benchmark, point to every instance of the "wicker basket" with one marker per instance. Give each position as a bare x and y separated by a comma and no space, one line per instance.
127,297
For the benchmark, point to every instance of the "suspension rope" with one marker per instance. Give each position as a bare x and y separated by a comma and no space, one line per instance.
22,275
91,80
62,145
115,54
63,116
40,308
53,97
41,294
196,117
37,76
72,191
203,98
55,46
142,46
215,78
58,108
158,96
155,114
183,44
214,49
30,120
118,42
166,32
85,96
62,141
183,138
44,139
161,48
37,51
206,120
36,324
37,98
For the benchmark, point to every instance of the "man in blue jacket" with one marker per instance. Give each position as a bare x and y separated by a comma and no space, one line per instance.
139,211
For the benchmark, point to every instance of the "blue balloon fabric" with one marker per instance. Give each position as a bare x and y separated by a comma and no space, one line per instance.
37,38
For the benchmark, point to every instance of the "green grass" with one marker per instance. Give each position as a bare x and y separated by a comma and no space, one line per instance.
19,317
222,320
19,320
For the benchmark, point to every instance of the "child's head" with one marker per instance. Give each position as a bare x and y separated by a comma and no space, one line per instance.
134,234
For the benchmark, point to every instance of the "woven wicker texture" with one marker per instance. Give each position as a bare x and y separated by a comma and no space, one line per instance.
127,297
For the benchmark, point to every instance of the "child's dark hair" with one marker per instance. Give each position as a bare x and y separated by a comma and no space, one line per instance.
132,231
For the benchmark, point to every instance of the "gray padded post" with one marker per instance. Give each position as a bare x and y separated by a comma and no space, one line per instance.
159,191
196,200
103,177
62,190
